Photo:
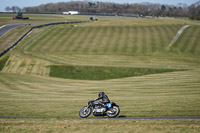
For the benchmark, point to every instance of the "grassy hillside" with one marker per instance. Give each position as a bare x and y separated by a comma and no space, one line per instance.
122,40
26,89
189,41
11,37
5,18
168,94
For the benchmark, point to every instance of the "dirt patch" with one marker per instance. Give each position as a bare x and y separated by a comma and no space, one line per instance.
178,35
23,65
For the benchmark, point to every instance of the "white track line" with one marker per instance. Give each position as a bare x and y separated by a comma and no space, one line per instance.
2,26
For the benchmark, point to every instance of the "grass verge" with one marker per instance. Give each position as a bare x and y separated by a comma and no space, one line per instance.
85,125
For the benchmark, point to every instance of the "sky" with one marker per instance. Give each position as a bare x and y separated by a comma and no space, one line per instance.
26,3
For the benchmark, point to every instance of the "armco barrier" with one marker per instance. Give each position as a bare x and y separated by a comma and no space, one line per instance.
39,26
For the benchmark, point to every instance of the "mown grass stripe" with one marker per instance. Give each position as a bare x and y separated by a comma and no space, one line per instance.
134,39
122,42
105,38
74,44
69,39
196,47
194,40
129,45
79,41
153,39
72,39
149,38
110,40
160,38
83,40
88,41
46,41
63,39
118,39
187,41
144,40
140,39
113,39
95,44
164,33
39,40
164,43
191,40
99,40
173,32
168,34
54,42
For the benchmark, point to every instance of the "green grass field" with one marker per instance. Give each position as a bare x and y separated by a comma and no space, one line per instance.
101,126
27,88
104,40
5,18
189,41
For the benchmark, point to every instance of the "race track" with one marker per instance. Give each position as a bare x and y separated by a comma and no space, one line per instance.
120,117
5,28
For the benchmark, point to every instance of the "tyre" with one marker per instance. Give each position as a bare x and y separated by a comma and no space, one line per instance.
85,112
113,112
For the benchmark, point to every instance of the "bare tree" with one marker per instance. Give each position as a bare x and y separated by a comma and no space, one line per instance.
194,11
7,9
180,10
16,9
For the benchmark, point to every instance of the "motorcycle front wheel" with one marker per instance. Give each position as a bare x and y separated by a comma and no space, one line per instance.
113,112
85,112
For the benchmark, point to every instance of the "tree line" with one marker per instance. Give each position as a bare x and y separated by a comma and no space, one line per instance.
145,9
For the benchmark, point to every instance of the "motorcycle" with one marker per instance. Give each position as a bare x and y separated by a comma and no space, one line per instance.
100,109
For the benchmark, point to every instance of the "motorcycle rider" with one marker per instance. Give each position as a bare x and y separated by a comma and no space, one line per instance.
101,108
104,98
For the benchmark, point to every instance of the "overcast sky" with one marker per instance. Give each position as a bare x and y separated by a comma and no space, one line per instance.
25,3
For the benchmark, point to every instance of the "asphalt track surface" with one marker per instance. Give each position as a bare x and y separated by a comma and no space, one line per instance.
5,28
120,117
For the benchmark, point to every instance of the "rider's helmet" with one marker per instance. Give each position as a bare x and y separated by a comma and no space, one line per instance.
101,94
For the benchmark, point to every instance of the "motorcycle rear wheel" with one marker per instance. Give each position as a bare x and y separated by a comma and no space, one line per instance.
85,112
113,112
